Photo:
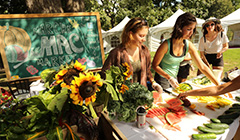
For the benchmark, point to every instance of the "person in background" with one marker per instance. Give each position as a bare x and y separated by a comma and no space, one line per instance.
134,52
173,50
184,68
214,90
213,44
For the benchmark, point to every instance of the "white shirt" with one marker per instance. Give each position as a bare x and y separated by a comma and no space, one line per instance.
215,46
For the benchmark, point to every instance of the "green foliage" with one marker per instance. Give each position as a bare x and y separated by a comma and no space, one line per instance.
136,96
13,7
221,8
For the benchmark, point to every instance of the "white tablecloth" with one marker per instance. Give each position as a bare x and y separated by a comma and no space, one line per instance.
188,124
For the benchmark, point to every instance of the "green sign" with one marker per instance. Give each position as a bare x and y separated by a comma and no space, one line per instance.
31,43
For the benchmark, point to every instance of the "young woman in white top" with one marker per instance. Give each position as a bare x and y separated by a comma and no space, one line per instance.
212,45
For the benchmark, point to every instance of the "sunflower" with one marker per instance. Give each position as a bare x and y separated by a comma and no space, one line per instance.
79,66
126,70
84,87
123,88
59,76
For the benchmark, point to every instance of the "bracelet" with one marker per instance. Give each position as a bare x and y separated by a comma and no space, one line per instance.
153,81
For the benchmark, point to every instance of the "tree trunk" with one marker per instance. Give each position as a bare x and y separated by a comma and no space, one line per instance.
55,6
44,6
74,6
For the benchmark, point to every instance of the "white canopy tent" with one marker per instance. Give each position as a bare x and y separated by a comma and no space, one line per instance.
112,37
165,29
232,21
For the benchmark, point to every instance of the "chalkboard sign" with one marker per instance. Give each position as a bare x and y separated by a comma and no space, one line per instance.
31,43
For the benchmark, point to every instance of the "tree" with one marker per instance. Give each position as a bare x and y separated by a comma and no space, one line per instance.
221,8
199,8
40,6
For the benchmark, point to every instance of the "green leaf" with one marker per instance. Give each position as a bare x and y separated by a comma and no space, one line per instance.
59,100
93,113
111,91
55,134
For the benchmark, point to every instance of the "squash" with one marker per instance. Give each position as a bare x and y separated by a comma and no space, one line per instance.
16,42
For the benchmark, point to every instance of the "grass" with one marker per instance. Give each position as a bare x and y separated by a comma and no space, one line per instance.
231,60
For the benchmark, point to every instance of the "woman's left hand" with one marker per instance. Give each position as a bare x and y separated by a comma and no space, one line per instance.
157,87
219,55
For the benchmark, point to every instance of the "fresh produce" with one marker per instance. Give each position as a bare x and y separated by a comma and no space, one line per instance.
202,81
237,98
204,136
169,115
172,118
215,120
174,102
58,106
125,110
183,87
231,114
157,97
210,130
217,125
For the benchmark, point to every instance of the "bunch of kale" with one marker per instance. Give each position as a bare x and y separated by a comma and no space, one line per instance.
137,95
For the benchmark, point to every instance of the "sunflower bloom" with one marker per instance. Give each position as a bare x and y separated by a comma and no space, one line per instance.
127,73
79,66
59,76
90,99
77,99
123,88
65,85
77,82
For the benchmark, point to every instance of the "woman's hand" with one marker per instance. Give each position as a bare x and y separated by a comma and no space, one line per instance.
219,55
157,87
173,82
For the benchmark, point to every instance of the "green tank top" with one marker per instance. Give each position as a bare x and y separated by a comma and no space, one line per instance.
170,63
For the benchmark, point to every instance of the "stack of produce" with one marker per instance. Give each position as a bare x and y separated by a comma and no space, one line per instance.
169,115
231,114
125,110
210,130
183,87
202,81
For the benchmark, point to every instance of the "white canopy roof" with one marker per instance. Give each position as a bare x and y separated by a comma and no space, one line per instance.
169,23
119,27
232,18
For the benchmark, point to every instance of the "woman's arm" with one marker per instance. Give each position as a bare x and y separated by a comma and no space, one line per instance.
202,66
161,51
214,90
225,47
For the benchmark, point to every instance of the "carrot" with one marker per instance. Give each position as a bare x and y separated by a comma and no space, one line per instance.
70,130
37,134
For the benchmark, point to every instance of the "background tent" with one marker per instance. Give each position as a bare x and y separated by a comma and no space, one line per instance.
165,29
232,21
112,37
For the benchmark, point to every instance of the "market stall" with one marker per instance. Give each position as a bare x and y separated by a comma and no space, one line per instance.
188,124
155,128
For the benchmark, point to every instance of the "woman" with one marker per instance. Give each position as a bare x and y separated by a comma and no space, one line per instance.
172,51
134,52
212,45
184,69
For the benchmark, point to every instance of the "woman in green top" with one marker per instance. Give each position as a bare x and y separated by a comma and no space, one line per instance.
172,51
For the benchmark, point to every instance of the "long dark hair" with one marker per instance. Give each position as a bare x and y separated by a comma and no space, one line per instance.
183,20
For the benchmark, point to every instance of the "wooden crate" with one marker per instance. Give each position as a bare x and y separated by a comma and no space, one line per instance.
107,129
